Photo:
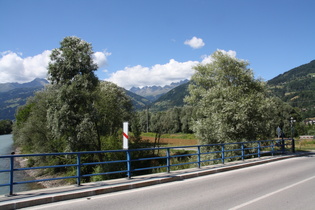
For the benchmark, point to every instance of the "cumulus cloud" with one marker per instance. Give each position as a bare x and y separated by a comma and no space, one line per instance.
159,74
195,42
15,68
100,58
139,76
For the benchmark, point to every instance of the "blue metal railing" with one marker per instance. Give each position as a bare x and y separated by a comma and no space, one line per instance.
194,155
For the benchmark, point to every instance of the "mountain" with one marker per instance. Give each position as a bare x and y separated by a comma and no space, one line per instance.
297,88
174,97
13,95
5,87
152,93
139,102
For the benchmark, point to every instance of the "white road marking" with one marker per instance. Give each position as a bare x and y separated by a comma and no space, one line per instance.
272,193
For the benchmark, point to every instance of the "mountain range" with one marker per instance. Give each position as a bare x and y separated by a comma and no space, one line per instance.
152,93
296,87
13,95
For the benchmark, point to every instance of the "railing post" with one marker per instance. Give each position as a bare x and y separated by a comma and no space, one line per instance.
243,152
282,145
259,148
199,159
272,147
168,161
78,169
222,153
128,164
11,174
293,145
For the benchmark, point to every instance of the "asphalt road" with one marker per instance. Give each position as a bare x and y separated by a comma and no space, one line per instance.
286,184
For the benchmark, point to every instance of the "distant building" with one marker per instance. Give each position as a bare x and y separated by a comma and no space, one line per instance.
309,121
307,137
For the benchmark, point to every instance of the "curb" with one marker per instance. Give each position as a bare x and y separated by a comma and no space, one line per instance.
74,192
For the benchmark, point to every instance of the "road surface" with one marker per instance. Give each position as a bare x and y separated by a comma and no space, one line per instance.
286,184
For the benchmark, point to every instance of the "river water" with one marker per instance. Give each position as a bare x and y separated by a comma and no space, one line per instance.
6,147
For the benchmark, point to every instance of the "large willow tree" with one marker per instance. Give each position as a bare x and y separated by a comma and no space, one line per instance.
75,112
231,105
71,115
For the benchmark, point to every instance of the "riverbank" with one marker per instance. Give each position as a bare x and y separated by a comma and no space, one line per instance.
39,174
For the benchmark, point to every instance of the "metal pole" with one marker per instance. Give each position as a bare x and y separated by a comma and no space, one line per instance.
78,169
128,164
199,159
293,142
259,148
243,152
222,153
11,174
168,161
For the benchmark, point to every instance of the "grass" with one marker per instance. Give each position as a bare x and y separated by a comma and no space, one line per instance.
171,136
305,144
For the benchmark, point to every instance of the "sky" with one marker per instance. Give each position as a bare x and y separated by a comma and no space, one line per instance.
156,42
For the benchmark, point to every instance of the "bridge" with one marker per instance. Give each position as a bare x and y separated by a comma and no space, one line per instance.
264,155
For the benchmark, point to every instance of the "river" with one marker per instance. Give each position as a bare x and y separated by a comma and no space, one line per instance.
6,147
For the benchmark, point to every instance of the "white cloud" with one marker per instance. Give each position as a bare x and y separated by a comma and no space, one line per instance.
195,42
139,76
100,58
159,74
15,68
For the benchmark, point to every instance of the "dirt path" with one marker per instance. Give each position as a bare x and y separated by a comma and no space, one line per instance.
174,142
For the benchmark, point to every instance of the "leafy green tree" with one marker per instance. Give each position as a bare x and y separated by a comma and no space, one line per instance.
71,115
231,106
113,107
186,119
5,126
31,131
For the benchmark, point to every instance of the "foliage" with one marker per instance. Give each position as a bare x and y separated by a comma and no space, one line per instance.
231,106
174,120
71,115
75,112
5,127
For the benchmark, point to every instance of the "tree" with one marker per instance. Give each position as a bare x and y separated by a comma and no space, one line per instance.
71,115
30,130
231,106
5,126
113,108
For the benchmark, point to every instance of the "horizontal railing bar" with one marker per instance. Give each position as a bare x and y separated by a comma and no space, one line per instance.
148,168
150,158
43,167
106,162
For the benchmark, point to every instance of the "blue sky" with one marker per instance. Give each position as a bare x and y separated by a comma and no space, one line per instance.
156,42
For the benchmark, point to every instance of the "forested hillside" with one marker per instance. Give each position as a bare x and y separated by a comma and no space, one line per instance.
297,88
13,95
173,98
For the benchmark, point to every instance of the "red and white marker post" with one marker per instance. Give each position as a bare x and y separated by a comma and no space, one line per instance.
125,135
